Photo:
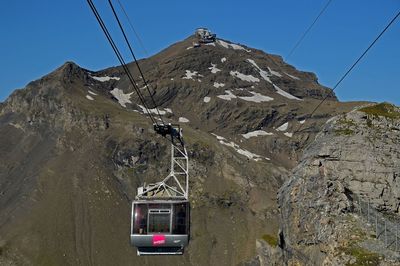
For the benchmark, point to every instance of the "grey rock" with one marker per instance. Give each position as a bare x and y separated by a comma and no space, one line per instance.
352,157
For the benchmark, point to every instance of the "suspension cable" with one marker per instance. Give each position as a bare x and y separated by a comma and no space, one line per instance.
308,29
133,28
134,57
354,64
120,58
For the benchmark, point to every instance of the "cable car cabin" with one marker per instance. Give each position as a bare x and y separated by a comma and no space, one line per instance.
160,227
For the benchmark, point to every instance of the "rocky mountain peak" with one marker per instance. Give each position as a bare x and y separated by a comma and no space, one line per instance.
69,68
239,66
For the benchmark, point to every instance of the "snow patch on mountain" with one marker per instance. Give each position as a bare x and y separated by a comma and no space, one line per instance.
264,74
287,134
214,68
293,77
218,137
218,85
223,59
189,75
152,111
105,78
228,96
257,98
232,45
283,127
285,94
123,98
207,99
256,133
89,97
244,77
91,92
274,72
251,155
239,150
183,120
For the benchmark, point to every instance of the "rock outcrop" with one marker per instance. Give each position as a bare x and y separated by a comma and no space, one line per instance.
355,157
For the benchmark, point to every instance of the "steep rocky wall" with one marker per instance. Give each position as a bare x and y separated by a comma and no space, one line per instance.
355,156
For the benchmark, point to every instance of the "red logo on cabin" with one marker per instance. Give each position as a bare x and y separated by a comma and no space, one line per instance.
158,240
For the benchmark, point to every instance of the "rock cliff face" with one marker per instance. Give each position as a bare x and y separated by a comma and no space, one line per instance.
355,157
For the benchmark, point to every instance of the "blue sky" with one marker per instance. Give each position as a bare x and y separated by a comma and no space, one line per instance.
38,36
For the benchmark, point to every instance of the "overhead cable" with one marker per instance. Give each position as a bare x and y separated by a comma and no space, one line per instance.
354,64
134,57
308,29
133,28
120,58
